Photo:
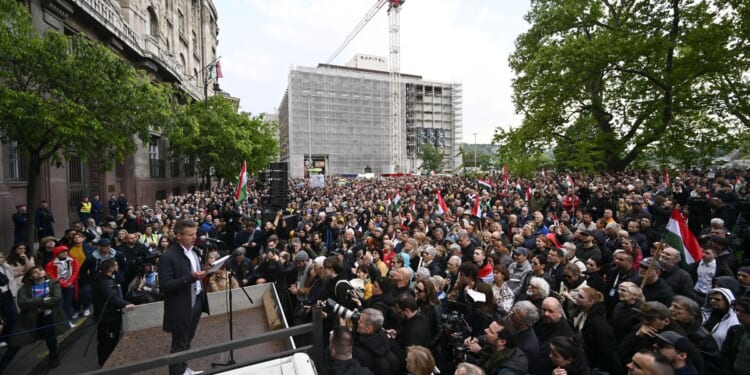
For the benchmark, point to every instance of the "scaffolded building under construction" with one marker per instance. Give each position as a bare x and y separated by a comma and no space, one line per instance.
334,120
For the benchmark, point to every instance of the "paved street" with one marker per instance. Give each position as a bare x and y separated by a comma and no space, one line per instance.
32,359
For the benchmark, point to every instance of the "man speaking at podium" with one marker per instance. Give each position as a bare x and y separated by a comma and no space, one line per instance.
180,279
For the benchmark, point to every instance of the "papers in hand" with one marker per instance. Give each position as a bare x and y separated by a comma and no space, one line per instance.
476,296
217,264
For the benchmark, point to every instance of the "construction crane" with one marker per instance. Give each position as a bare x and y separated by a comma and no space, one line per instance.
394,70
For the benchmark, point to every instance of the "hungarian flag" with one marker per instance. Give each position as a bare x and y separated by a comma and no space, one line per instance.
544,173
681,238
569,181
666,177
484,184
528,193
214,70
738,183
241,193
397,200
477,209
442,208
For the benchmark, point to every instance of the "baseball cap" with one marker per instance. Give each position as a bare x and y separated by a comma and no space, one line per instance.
646,262
301,256
653,309
681,343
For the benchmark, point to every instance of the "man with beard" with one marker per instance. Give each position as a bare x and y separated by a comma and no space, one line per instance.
674,275
552,324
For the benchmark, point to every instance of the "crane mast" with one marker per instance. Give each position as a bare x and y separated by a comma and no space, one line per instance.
394,69
394,72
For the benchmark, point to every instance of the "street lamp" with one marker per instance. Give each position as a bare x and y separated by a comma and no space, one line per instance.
475,150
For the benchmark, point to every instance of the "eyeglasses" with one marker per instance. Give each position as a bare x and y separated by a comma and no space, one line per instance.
418,290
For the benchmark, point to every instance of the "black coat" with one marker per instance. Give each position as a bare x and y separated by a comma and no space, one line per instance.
104,292
414,331
378,353
175,282
599,341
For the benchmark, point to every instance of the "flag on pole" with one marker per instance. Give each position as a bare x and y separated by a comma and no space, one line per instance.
214,70
442,208
219,74
666,178
528,193
477,209
738,183
681,238
544,173
484,184
397,200
241,193
569,181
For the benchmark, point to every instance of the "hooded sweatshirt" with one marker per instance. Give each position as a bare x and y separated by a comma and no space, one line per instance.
64,270
728,319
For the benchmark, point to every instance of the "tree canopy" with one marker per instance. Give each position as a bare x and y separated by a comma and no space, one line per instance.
64,95
432,158
604,83
216,137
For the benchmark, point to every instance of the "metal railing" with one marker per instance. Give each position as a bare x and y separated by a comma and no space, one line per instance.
315,351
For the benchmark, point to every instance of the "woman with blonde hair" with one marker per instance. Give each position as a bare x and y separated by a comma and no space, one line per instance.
419,360
624,318
598,337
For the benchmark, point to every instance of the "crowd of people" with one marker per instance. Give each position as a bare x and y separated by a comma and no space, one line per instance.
554,274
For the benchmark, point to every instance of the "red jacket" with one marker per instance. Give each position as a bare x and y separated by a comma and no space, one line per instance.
54,265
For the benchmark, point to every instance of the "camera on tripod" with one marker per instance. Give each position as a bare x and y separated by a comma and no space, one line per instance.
456,329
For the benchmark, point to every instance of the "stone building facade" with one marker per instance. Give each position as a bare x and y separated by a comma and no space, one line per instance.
172,40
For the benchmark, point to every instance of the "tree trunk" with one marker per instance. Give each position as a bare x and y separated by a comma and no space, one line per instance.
34,168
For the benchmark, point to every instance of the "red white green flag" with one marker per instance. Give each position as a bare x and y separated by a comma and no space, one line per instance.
442,208
569,181
666,177
484,184
241,193
681,238
477,209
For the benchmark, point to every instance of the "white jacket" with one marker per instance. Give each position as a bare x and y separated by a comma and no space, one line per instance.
719,332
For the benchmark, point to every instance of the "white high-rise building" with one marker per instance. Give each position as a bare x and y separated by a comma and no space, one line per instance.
335,119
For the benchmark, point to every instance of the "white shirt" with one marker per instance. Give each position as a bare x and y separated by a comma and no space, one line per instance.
195,266
705,273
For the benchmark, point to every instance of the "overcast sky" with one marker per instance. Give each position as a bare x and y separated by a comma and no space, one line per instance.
445,40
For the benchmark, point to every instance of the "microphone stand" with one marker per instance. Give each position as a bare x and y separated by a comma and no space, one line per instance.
230,361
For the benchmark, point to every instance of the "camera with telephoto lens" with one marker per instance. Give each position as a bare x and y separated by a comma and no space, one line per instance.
342,311
456,330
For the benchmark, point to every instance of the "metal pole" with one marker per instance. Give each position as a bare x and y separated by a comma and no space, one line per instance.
309,133
203,57
475,150
317,337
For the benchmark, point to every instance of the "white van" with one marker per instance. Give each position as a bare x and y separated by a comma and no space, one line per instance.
296,364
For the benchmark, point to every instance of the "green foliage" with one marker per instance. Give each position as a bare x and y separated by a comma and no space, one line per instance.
217,137
602,83
61,96
68,95
432,158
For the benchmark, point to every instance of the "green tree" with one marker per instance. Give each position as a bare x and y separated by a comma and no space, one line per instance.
606,82
216,137
432,158
62,96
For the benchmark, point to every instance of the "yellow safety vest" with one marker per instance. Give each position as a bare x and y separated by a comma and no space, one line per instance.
85,207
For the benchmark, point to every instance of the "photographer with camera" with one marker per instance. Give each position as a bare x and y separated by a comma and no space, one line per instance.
372,346
498,351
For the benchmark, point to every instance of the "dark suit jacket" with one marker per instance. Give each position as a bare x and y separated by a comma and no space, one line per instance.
175,283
